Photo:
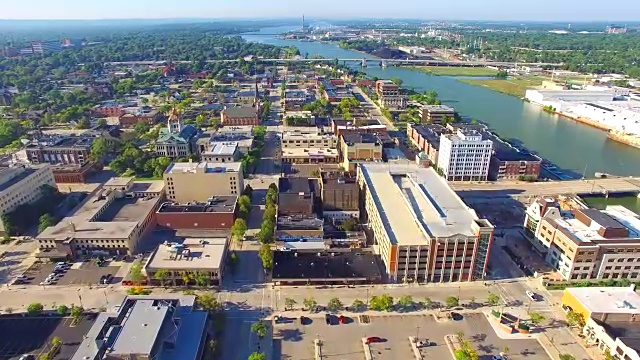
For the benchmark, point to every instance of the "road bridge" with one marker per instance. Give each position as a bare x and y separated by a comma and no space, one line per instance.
547,188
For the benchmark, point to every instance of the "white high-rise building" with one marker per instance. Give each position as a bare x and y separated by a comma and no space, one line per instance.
464,156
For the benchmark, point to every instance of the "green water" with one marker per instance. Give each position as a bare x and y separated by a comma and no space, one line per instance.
631,202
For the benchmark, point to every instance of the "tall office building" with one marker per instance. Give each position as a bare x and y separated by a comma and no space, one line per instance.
464,156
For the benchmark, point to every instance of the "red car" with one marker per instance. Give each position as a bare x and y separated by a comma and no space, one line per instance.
374,339
343,320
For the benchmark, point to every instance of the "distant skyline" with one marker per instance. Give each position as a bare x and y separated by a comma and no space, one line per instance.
499,10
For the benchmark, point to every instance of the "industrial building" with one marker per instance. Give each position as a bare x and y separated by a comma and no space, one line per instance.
585,243
191,181
112,220
22,185
424,231
147,327
201,259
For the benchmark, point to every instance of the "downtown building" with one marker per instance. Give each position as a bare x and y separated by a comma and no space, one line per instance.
585,243
424,232
464,156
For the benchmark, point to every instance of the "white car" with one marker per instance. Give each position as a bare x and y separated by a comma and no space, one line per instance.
531,295
49,282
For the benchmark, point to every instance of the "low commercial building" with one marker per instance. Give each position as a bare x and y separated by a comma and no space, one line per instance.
389,95
22,185
297,196
586,243
150,117
240,116
340,196
221,151
310,156
436,114
610,315
359,147
510,164
464,156
424,231
217,213
370,126
74,174
295,99
108,222
243,135
59,150
191,181
327,267
307,137
109,110
427,139
200,259
147,326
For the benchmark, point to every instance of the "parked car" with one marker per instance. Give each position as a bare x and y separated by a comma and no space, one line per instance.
327,319
22,278
106,279
374,339
342,319
531,295
49,282
27,357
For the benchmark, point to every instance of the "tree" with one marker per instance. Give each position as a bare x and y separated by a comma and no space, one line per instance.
208,302
334,304
452,301
266,255
405,301
502,74
248,191
34,309
265,235
428,303
397,81
493,299
257,356
310,304
76,312
357,305
289,303
566,357
101,122
136,272
259,328
62,310
575,319
202,279
383,302
161,275
244,205
536,318
99,149
44,222
141,128
608,356
239,228
348,224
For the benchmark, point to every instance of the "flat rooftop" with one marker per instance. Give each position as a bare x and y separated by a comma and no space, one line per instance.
438,108
17,175
118,181
149,186
616,215
359,138
308,152
622,300
98,218
192,253
221,204
416,204
222,148
325,265
203,167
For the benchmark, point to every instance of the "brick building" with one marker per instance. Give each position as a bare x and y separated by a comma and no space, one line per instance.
218,213
130,120
238,116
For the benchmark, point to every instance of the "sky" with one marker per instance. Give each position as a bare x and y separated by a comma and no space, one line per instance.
540,10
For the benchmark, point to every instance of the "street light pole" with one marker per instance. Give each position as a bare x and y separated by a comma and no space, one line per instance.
367,297
417,332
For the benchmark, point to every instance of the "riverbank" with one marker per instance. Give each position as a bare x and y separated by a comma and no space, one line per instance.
511,86
454,71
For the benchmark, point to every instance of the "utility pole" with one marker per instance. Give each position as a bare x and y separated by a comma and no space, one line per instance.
367,297
417,332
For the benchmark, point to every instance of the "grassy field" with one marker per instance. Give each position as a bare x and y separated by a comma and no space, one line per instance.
455,70
514,87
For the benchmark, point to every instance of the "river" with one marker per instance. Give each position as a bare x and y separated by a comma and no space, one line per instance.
571,146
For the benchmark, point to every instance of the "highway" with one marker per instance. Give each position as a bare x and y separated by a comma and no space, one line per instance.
548,188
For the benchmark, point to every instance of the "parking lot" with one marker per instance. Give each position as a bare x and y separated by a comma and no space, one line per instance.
19,336
344,341
80,273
